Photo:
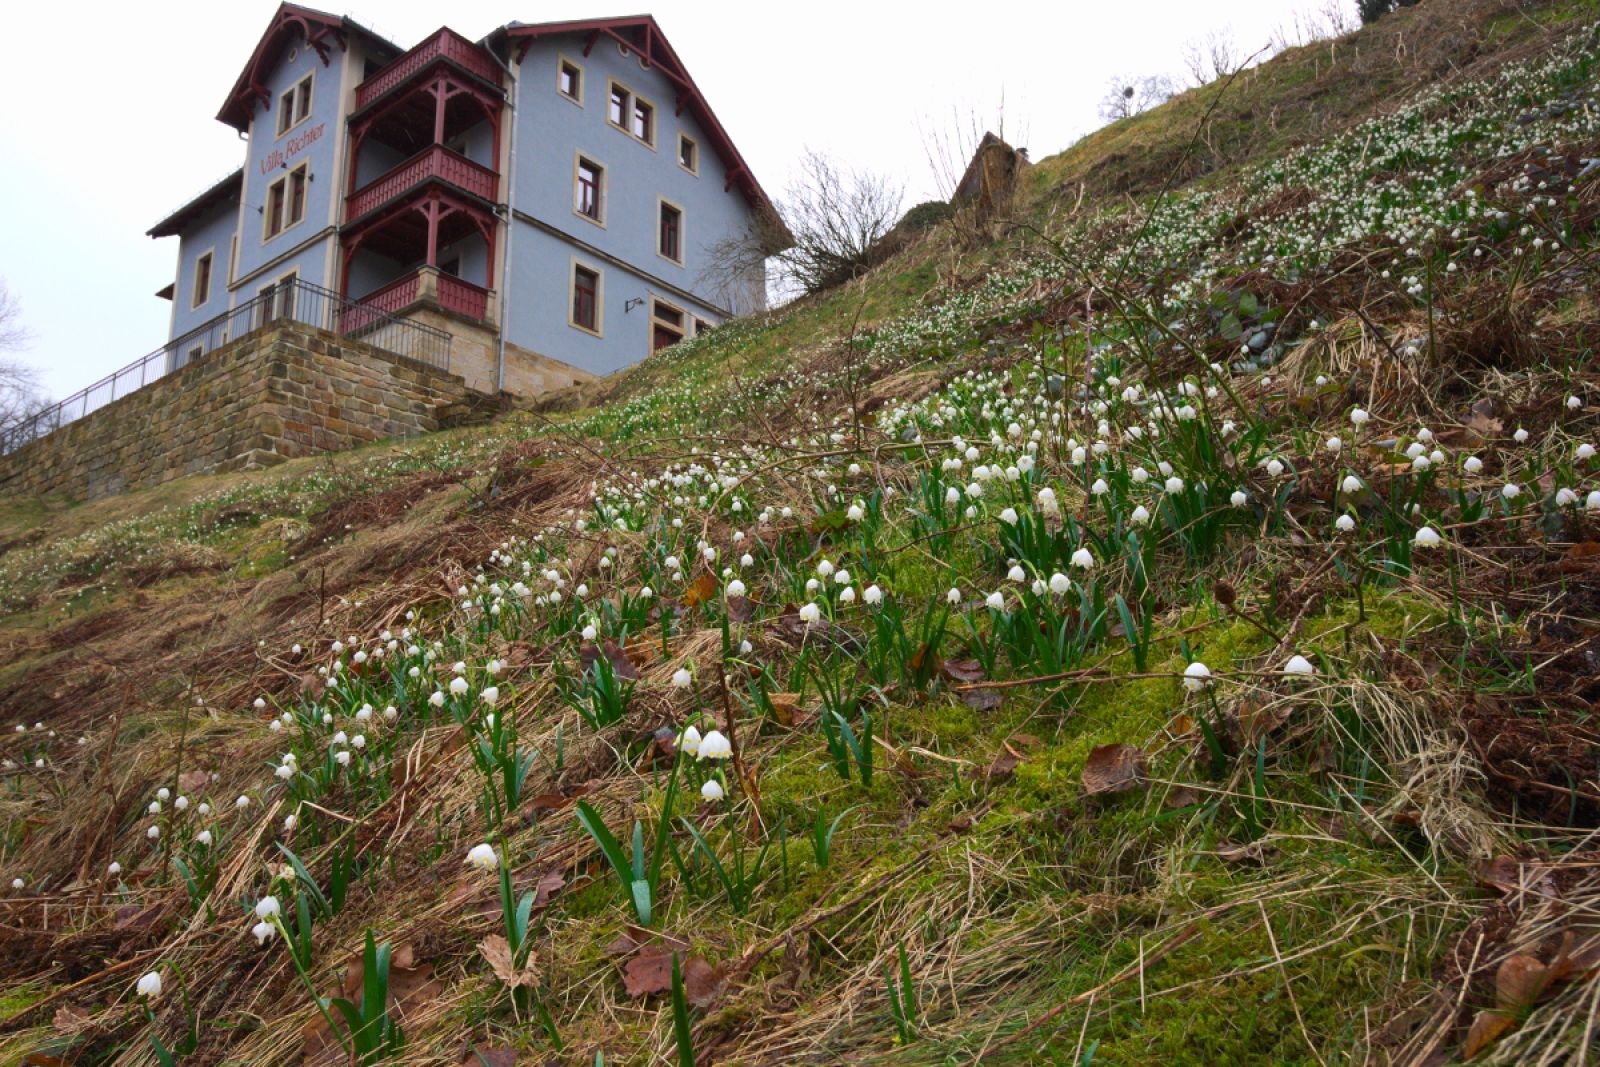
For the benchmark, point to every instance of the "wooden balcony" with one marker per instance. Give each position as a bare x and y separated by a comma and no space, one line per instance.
446,44
424,283
435,161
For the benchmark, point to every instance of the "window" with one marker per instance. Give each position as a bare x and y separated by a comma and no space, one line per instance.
286,201
666,325
451,266
202,280
585,299
589,193
276,300
569,80
701,326
193,354
294,106
619,108
644,121
688,154
669,238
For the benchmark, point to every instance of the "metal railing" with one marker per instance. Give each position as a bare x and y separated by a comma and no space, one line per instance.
292,300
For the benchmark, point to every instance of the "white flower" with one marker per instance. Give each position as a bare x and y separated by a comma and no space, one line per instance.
1521,436
163,793
1274,467
149,986
1592,501
714,746
342,757
1174,484
1351,484
1299,665
1196,676
590,633
1574,403
854,513
1565,498
259,703
735,588
458,686
1333,445
1060,584
17,883
872,595
712,790
114,868
1140,516
824,568
1083,559
847,595
1009,516
290,822
262,931
490,695
437,698
1427,537
153,833
1345,523
1017,574
810,612
681,678
1100,487
483,857
1511,490
1585,451
241,802
1472,465
1359,417
285,771
953,596
267,907
1238,498
995,601
204,838
689,741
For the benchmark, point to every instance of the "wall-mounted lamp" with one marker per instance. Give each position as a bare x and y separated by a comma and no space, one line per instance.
629,305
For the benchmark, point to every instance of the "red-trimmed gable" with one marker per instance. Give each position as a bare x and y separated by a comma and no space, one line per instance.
321,32
643,36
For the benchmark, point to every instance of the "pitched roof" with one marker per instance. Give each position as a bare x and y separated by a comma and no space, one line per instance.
225,191
319,29
641,34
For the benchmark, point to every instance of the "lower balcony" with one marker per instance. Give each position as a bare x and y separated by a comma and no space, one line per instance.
425,285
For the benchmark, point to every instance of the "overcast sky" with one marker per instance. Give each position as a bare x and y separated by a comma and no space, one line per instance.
109,115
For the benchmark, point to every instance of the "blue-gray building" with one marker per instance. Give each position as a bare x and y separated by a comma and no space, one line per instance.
558,197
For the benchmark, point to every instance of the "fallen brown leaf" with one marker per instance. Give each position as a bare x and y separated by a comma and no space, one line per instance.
650,972
488,1056
497,952
1114,768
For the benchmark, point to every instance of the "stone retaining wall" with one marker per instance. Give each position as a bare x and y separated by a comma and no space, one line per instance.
286,391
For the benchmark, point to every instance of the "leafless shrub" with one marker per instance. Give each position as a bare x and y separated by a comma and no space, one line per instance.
20,395
1127,96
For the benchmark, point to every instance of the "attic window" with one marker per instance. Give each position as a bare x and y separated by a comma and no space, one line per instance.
569,81
688,154
619,106
294,106
644,122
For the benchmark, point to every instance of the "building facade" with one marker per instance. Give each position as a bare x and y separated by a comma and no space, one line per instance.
558,197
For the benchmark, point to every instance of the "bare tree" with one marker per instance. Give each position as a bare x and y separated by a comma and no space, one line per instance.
838,218
1216,55
20,395
1126,97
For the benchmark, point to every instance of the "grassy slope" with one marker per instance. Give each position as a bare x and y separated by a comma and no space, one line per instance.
1282,910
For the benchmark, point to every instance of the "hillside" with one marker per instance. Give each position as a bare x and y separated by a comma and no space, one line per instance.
1157,628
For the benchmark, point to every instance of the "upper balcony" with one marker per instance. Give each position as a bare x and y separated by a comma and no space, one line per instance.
433,162
445,44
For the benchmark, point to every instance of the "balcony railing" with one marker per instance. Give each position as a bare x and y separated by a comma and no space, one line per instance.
435,161
463,297
446,44
451,293
291,300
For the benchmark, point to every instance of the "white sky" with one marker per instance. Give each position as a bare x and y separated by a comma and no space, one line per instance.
108,122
